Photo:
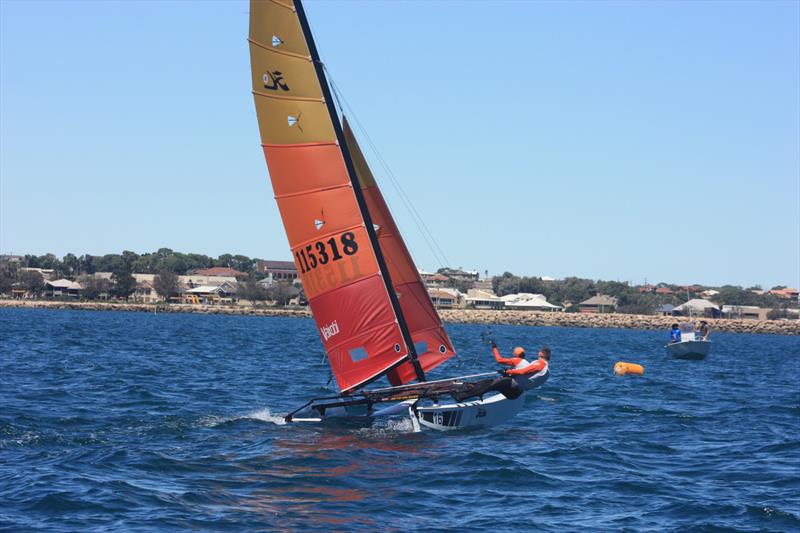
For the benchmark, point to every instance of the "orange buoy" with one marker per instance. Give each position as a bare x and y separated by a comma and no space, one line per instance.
620,369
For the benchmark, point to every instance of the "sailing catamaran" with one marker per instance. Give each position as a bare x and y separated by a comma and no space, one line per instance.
373,312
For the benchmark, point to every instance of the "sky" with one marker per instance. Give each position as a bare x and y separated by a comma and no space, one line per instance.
630,141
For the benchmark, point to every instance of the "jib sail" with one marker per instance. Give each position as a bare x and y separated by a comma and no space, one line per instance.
432,344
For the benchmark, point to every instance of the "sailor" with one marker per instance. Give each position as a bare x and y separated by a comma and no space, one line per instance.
526,374
675,334
704,330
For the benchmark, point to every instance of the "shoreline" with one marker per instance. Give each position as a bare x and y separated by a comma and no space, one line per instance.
454,316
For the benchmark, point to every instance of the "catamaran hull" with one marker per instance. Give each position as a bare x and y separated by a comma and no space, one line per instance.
490,412
688,349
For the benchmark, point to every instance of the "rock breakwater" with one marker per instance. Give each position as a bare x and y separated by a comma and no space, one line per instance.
467,316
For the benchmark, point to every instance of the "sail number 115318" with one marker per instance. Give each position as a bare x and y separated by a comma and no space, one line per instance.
320,252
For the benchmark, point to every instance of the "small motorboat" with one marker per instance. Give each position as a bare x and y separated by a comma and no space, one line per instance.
691,345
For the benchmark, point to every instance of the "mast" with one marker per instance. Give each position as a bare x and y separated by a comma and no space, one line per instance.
362,205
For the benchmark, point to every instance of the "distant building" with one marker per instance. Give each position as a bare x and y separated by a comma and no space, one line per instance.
747,312
47,273
5,258
479,299
62,288
458,274
220,271
277,270
443,299
666,310
433,280
210,294
598,304
789,293
525,301
698,307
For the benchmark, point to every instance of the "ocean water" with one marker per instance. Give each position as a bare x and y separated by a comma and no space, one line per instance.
143,422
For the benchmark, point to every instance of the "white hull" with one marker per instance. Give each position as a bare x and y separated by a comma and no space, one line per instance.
489,412
688,349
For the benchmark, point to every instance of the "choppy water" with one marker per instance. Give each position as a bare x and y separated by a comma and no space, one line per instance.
131,421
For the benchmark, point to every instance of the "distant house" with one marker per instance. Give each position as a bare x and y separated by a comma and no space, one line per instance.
666,310
458,274
525,301
663,290
433,280
709,293
277,270
220,271
598,304
62,288
789,293
47,273
443,299
210,294
479,299
698,307
748,312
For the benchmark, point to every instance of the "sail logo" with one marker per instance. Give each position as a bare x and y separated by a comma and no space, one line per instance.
330,330
274,81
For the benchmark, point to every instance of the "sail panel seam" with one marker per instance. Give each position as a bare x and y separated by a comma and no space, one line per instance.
287,6
292,98
310,191
281,52
299,145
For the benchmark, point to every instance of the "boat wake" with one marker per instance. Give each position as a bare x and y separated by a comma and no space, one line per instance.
265,415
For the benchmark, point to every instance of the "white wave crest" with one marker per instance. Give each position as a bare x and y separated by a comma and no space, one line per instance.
267,416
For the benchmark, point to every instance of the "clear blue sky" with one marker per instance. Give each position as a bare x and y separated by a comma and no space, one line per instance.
607,140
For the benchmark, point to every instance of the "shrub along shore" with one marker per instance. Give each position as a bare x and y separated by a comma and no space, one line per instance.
464,316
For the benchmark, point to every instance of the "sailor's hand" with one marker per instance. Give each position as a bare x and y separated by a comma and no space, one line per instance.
494,344
503,372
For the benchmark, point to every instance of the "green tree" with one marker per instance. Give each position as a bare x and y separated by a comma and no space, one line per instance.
166,284
32,281
8,276
94,287
70,265
124,283
251,290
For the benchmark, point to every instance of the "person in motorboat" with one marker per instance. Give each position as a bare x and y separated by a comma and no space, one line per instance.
704,330
675,334
526,374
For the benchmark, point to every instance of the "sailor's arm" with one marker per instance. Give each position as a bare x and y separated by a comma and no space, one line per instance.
513,361
532,368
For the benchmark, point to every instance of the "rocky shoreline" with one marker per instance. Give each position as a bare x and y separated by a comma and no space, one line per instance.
462,316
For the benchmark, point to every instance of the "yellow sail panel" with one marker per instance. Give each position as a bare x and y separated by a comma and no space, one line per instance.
280,29
293,121
283,76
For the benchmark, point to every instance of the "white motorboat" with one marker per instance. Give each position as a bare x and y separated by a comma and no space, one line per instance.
691,345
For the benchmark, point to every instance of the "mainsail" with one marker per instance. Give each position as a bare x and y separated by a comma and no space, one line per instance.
351,292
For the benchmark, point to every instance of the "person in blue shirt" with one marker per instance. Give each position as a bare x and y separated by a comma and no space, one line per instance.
675,334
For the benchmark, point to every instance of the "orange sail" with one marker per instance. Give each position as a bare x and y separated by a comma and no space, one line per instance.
433,347
327,223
